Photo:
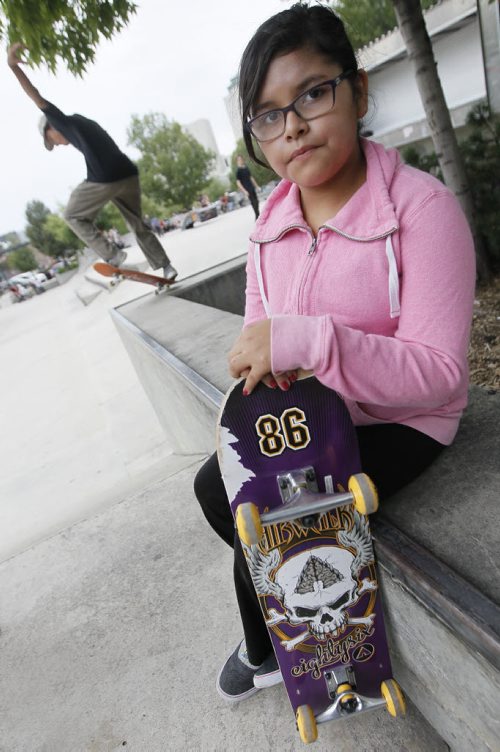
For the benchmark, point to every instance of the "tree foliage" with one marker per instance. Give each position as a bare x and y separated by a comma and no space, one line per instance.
22,260
366,20
59,237
109,217
174,167
65,29
36,214
48,232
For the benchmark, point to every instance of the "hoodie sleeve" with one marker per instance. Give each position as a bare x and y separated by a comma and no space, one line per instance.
425,363
254,308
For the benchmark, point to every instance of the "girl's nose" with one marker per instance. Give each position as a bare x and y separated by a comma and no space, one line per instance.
294,125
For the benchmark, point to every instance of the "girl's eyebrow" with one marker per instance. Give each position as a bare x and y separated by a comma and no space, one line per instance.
300,88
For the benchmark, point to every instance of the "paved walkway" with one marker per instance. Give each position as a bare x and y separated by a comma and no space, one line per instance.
77,431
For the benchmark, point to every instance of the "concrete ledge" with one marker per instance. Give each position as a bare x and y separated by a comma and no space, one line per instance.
442,605
221,287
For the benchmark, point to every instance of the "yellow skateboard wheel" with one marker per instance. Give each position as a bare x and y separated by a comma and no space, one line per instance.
248,524
306,724
364,493
394,698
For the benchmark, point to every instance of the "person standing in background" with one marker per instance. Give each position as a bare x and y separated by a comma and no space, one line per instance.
247,184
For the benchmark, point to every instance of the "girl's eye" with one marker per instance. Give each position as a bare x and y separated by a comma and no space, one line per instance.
269,118
313,95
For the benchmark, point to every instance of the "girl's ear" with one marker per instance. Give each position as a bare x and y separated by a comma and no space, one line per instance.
361,93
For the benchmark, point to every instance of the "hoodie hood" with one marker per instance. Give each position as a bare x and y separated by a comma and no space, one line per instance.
368,214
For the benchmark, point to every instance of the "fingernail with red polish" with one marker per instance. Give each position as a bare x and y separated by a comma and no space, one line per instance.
273,384
293,377
245,392
285,386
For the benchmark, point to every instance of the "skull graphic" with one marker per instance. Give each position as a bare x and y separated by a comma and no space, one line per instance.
317,588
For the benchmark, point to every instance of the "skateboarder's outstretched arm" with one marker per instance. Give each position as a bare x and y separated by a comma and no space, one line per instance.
14,61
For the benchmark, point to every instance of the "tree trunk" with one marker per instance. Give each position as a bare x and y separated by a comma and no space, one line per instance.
418,45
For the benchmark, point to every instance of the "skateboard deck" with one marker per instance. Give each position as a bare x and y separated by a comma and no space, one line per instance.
287,460
108,270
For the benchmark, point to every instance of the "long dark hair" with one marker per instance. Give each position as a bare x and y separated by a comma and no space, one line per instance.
314,27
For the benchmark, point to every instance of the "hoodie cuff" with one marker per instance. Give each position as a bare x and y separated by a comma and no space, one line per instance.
297,342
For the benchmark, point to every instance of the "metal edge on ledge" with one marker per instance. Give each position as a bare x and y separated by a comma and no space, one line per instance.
210,394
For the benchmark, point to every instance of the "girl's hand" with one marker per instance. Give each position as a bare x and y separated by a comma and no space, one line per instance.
250,358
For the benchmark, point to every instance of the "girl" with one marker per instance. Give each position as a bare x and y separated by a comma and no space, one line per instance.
360,269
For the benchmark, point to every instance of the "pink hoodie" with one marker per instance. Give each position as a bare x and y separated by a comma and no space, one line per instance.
379,305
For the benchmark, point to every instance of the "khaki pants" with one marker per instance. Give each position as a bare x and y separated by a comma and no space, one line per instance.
88,199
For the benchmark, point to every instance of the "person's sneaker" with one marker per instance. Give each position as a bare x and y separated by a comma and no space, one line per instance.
169,272
235,680
117,259
268,674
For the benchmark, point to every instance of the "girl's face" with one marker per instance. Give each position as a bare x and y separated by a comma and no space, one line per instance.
312,153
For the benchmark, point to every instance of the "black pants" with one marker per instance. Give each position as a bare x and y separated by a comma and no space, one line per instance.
391,454
252,197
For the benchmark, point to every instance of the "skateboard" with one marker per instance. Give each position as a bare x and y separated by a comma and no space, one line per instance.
291,468
108,270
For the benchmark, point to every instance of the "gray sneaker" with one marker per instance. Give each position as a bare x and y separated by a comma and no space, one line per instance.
268,674
117,259
235,680
169,273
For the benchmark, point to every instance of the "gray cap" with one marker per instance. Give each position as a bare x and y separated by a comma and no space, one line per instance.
43,124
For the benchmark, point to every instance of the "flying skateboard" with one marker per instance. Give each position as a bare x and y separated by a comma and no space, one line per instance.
291,468
118,273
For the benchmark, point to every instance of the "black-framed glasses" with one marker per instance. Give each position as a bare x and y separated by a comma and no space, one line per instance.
313,103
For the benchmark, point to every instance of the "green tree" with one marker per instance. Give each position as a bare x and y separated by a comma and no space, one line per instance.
22,260
36,214
215,188
366,20
109,217
174,167
48,232
59,237
65,29
10,239
261,174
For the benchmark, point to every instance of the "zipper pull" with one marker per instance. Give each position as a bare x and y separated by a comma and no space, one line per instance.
313,247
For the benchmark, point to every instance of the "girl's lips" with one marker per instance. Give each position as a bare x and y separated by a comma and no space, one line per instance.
301,153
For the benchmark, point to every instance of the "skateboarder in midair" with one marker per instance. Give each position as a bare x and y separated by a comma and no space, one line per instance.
111,176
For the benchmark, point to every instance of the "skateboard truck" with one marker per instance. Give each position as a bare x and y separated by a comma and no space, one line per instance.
301,499
341,685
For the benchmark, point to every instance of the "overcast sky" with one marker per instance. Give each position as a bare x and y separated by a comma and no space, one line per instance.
175,57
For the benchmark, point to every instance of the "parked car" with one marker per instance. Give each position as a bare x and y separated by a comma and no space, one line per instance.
29,278
207,212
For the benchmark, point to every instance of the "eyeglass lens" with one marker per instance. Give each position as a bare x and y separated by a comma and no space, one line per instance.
311,104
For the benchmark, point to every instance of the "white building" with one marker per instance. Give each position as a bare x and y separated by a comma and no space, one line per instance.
466,44
465,37
233,109
202,131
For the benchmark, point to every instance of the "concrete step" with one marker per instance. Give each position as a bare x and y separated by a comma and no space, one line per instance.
87,292
443,613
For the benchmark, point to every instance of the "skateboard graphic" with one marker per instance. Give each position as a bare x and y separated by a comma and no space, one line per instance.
108,270
286,460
